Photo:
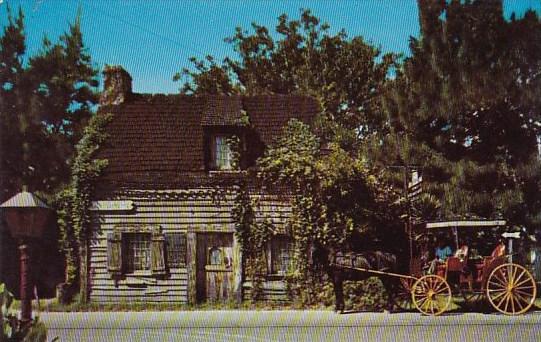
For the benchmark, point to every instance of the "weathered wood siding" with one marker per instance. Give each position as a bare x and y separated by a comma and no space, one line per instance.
273,291
189,212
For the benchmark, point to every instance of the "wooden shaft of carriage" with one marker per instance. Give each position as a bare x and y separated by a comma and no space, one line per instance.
367,270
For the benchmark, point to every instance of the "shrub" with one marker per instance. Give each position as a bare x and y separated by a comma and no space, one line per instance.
14,329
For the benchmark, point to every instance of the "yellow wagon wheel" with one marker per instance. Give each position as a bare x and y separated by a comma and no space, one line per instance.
431,295
511,289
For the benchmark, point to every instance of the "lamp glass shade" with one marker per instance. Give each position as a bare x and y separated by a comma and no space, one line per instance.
26,215
26,222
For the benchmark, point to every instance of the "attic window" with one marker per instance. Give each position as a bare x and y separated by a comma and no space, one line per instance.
222,156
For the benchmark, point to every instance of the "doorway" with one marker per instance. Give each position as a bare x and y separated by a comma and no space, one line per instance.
214,267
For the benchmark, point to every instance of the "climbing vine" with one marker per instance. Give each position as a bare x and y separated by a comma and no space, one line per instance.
253,238
338,203
74,202
236,151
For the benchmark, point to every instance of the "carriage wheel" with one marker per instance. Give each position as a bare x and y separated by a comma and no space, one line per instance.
431,295
402,297
511,289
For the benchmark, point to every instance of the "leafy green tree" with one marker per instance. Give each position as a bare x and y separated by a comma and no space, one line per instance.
67,84
14,125
339,203
345,74
339,200
465,108
45,101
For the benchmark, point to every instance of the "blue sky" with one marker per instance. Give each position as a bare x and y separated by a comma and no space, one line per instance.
154,39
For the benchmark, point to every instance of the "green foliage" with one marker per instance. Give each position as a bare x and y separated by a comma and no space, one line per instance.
365,295
338,202
253,239
335,194
37,333
45,101
465,107
234,144
75,201
12,328
346,74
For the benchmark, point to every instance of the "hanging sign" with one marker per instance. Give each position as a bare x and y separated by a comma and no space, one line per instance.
111,205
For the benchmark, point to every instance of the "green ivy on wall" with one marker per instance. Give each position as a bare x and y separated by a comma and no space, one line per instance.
253,239
74,202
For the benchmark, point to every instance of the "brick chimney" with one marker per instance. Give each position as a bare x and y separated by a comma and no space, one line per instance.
117,85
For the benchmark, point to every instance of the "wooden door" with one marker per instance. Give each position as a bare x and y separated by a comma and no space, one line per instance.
215,266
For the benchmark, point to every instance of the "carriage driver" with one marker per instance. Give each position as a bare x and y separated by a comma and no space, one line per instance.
443,251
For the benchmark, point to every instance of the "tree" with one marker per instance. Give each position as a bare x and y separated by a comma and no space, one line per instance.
67,83
345,74
338,204
339,201
45,101
465,107
13,85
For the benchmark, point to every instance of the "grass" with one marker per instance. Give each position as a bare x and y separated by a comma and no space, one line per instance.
52,305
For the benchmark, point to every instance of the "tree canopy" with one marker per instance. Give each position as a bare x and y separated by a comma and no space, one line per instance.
465,109
45,101
339,200
346,74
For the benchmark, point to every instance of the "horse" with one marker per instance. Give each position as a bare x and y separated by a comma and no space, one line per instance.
340,266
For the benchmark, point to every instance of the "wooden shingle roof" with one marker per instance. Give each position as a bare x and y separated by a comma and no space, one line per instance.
159,139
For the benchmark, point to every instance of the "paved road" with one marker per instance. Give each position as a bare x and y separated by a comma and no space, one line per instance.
289,326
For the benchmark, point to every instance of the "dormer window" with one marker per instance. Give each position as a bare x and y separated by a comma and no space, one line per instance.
222,156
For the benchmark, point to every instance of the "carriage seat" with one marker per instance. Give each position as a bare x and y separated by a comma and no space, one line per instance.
454,264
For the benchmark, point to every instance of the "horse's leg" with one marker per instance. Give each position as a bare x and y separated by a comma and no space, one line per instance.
338,293
391,286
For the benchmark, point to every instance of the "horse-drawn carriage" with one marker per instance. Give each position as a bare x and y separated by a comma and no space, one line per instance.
499,279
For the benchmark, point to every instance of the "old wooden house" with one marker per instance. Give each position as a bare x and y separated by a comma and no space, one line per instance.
162,207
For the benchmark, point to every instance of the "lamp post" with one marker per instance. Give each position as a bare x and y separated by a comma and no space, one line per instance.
26,216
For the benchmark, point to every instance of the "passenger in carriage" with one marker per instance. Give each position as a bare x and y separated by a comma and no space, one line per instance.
499,250
463,252
468,264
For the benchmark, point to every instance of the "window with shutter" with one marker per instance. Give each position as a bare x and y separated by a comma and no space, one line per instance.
136,251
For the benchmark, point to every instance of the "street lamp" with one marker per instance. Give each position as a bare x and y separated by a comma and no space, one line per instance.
26,216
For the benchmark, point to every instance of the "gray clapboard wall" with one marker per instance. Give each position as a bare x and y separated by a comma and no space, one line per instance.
273,291
175,212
